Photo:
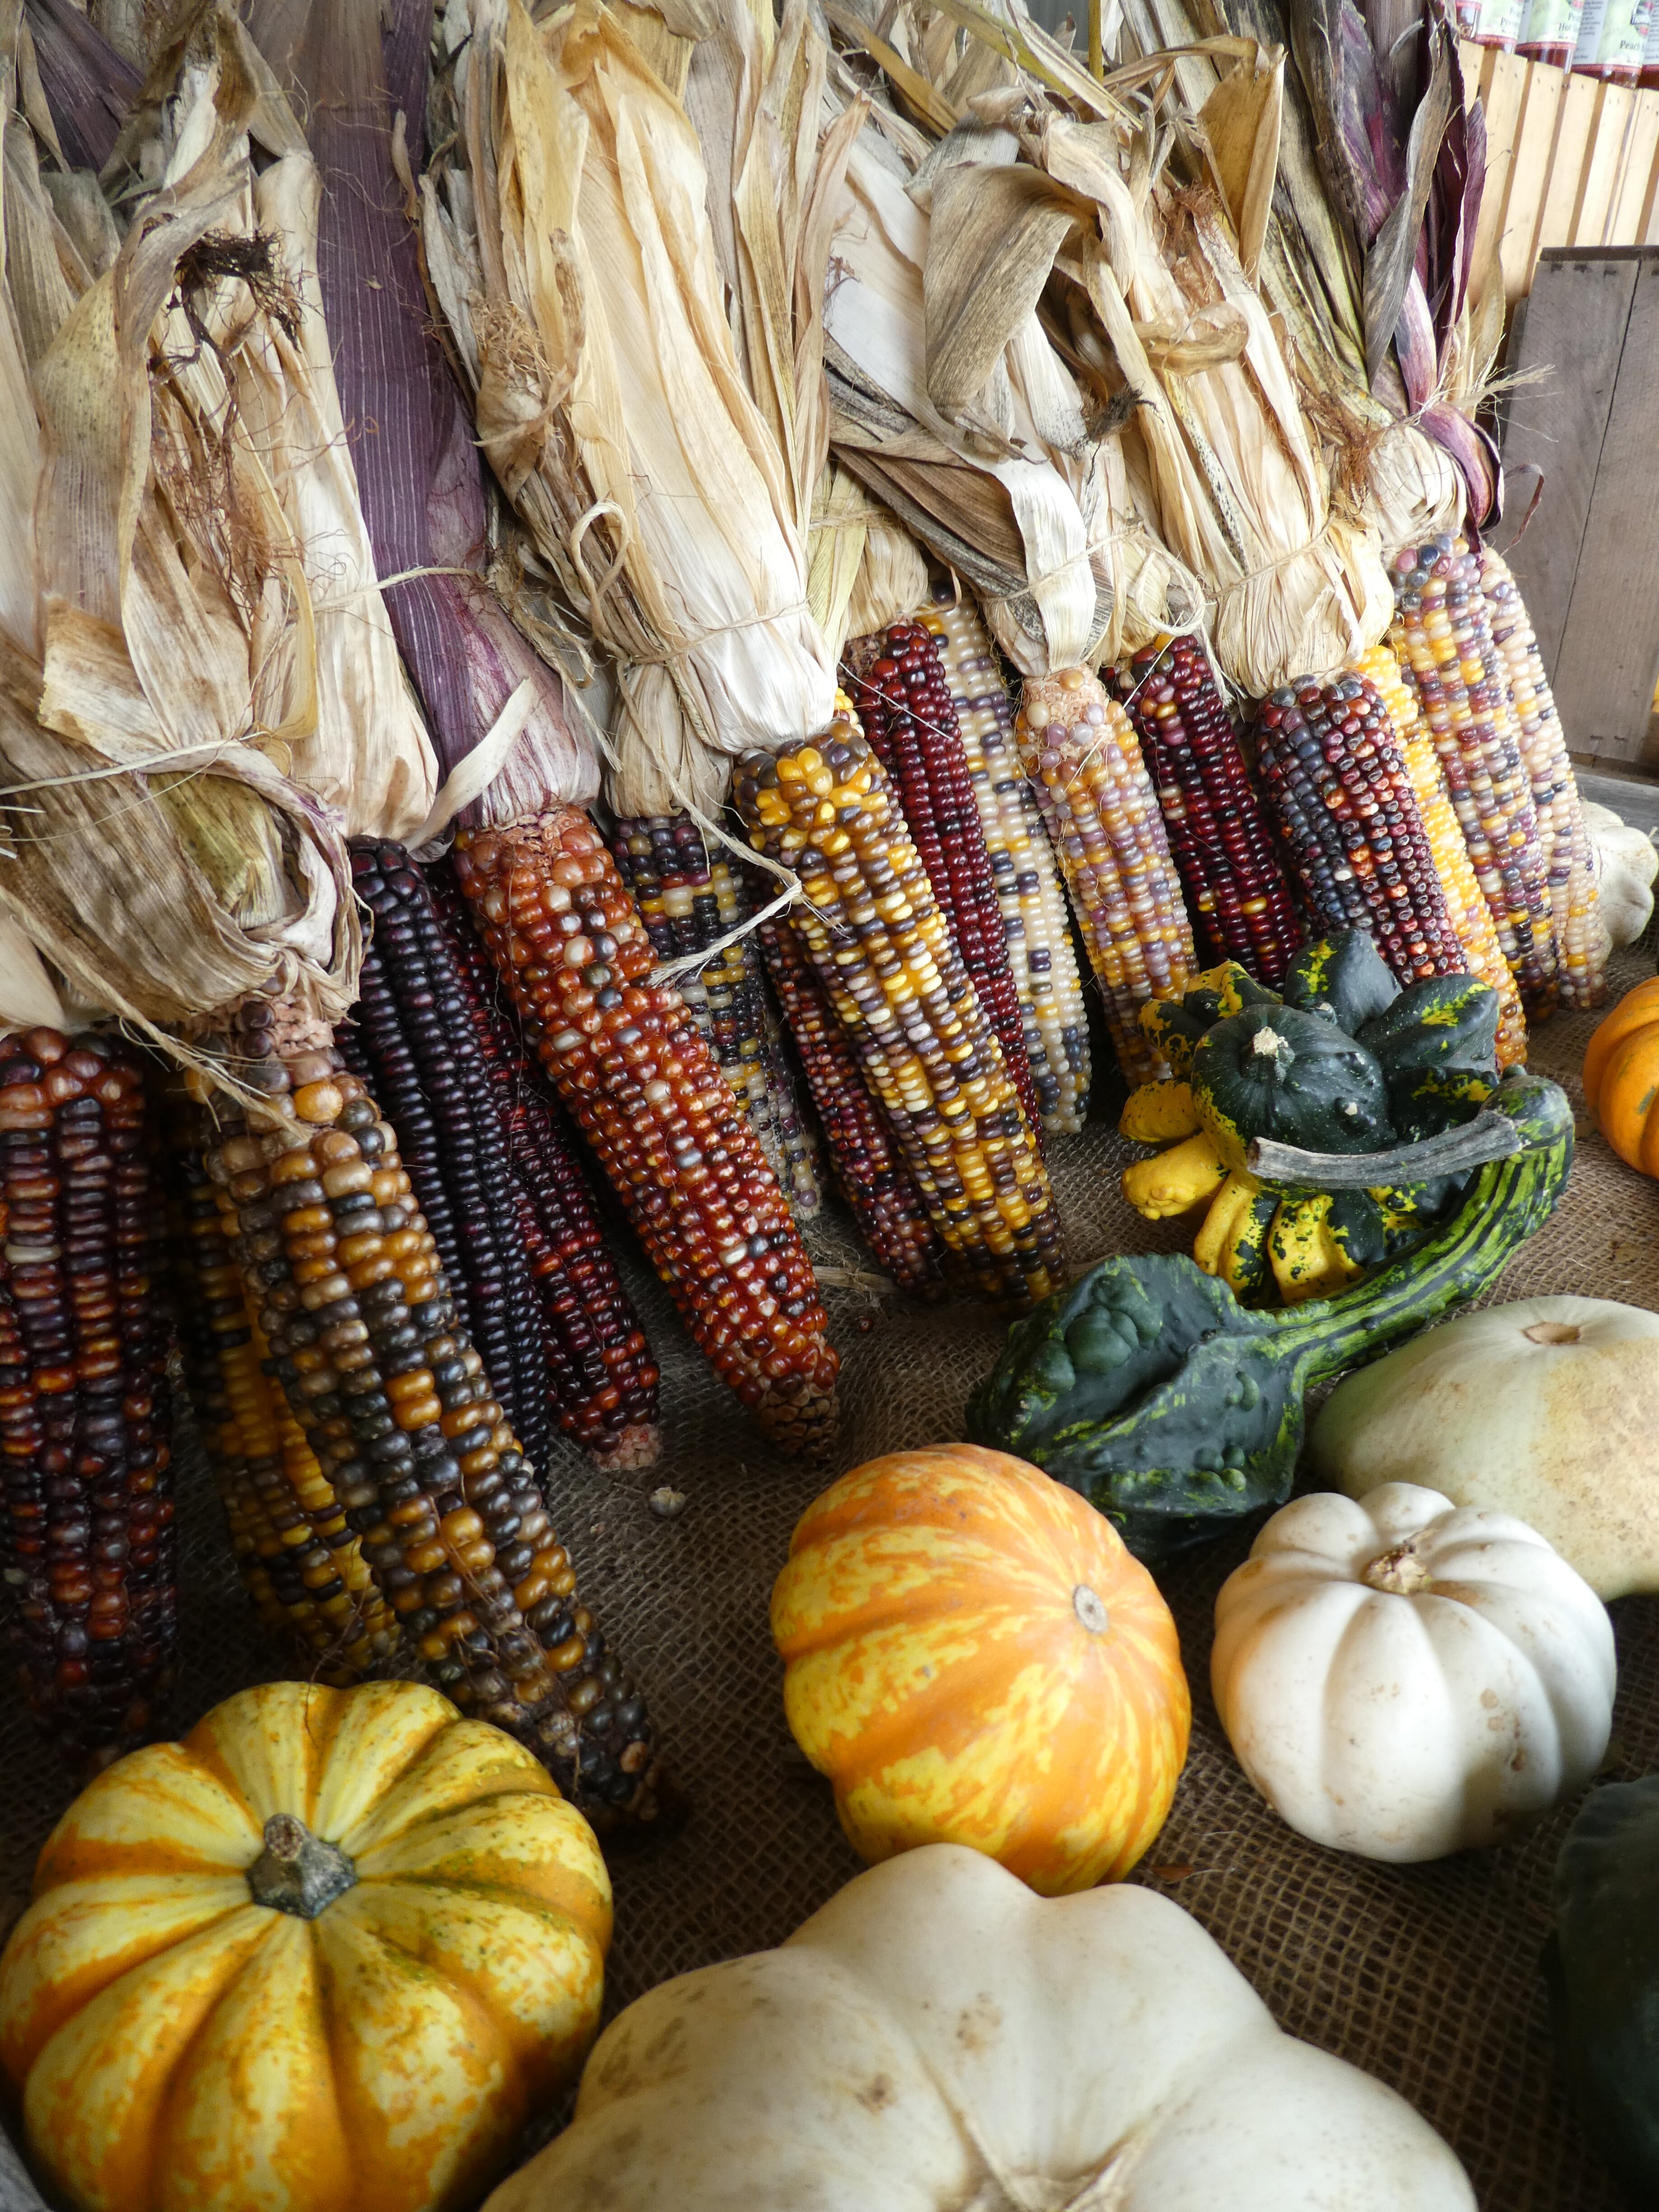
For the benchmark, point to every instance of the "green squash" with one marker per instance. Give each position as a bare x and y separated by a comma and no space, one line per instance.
1344,977
1198,1418
1437,1045
1173,1030
1274,1071
1602,1964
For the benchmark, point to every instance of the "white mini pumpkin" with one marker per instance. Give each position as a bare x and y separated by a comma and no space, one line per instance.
1547,1408
938,2039
1402,1678
1625,866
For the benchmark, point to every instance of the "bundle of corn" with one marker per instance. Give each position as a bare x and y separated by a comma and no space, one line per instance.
648,1095
392,1398
1466,910
1444,630
1084,761
604,1378
1034,921
896,683
880,948
1236,894
1336,780
85,1418
302,1566
689,899
870,1169
1569,863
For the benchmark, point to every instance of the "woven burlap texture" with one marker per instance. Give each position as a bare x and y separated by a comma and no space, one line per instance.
1428,1977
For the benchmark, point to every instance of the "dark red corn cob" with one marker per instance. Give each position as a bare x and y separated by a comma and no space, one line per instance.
420,1057
870,1171
689,898
1236,894
1334,775
85,1418
651,1100
604,1378
897,683
370,1350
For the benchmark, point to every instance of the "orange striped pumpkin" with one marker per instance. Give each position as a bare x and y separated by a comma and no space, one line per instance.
1621,1077
972,1656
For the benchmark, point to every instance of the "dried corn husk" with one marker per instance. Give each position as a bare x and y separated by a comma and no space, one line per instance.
570,247
420,476
162,862
891,580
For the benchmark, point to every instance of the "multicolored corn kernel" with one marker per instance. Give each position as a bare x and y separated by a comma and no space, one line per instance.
368,1344
603,1375
1334,775
879,946
1443,629
85,1411
1035,923
1466,910
627,1059
689,896
1084,760
898,686
1236,895
870,1169
1563,841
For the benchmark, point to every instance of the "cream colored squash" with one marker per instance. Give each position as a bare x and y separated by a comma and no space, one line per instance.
939,2040
1625,866
1547,1408
1402,1677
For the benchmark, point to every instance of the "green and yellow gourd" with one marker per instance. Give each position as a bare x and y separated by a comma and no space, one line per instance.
1347,1063
1174,1408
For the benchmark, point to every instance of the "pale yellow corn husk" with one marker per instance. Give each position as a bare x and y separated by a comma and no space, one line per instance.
152,850
571,249
891,580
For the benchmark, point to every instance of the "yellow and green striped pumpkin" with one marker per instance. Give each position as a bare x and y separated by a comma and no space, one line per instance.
973,1657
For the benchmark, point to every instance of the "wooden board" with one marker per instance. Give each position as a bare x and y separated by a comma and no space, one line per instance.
1599,186
1567,353
1609,659
1574,125
1528,178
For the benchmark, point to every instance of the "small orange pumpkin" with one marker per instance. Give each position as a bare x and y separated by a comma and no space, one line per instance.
974,1657
1621,1077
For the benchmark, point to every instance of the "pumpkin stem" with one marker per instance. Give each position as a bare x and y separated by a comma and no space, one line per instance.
1552,1332
298,1872
1400,1571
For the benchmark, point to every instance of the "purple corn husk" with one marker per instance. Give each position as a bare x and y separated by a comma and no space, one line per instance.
88,87
420,476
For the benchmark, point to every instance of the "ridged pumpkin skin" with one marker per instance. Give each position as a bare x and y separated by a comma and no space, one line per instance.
973,1657
180,2048
1621,1077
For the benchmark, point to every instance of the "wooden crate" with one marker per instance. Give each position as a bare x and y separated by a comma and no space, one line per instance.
1584,416
1570,162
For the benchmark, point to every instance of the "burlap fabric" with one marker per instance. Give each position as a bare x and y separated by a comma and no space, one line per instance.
1427,1977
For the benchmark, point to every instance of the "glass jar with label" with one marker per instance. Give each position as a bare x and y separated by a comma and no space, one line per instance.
1491,23
1612,35
1551,32
1649,79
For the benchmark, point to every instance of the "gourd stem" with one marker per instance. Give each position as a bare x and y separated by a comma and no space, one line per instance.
298,1872
1490,1136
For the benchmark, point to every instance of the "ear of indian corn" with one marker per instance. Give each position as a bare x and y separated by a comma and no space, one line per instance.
604,1378
879,946
1085,763
366,1342
421,1063
896,683
627,1059
85,1417
1466,910
1034,921
689,898
1335,777
870,1169
1441,628
1563,840
1236,895
302,1566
